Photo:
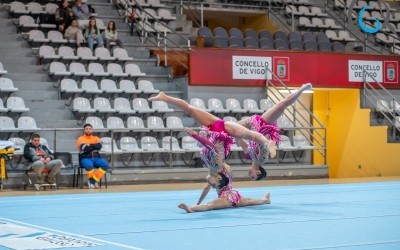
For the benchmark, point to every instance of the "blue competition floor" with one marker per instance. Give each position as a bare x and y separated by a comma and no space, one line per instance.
332,216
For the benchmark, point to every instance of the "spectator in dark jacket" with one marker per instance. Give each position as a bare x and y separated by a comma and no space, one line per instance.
40,158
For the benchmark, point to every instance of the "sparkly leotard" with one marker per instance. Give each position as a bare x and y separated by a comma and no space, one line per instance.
233,196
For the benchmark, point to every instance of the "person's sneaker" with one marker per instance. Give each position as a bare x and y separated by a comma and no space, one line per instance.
91,185
40,180
50,180
96,185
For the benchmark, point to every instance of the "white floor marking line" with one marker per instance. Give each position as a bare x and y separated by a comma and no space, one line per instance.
273,188
72,234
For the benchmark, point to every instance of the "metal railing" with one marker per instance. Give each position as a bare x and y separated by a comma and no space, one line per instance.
157,38
373,96
349,11
301,124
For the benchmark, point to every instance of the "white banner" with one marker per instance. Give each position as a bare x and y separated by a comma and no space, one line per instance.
22,238
373,68
251,67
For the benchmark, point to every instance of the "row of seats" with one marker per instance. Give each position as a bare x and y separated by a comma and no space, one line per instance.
317,22
94,69
18,8
384,106
305,11
160,14
23,123
265,40
232,105
26,23
146,3
83,53
391,39
137,124
360,4
121,106
90,86
149,144
14,104
300,46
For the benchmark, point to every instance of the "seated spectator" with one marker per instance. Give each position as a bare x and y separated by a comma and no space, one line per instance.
82,13
64,16
74,33
111,35
40,157
89,156
92,33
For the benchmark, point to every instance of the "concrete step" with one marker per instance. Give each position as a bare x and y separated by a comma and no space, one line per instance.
138,53
45,104
21,52
28,77
19,60
14,44
38,95
58,124
15,68
10,36
35,86
155,70
51,116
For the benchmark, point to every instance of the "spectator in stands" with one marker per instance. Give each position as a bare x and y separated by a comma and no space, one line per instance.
89,156
64,16
111,35
132,21
266,124
40,158
92,33
82,13
74,33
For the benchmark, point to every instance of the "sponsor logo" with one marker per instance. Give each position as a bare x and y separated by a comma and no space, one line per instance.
19,237
378,25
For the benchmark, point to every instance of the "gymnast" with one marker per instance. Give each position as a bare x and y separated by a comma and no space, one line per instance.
220,178
218,128
266,124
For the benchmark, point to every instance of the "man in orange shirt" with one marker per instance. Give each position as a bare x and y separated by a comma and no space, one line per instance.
89,156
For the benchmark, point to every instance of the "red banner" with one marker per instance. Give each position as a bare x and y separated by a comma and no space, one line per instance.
234,67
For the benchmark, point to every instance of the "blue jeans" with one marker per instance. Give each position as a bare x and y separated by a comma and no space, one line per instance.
90,41
89,163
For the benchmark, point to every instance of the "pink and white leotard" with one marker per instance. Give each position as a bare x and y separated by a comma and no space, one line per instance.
233,196
257,152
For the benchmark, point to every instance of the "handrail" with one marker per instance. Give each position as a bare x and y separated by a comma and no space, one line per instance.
161,39
316,137
374,96
350,11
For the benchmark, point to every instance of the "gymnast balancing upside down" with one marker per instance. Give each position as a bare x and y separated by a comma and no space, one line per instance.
266,124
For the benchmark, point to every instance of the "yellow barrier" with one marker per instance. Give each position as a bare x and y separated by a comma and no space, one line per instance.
5,154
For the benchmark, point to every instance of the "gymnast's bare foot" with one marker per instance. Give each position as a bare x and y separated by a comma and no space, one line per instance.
185,207
271,149
160,97
267,198
306,86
